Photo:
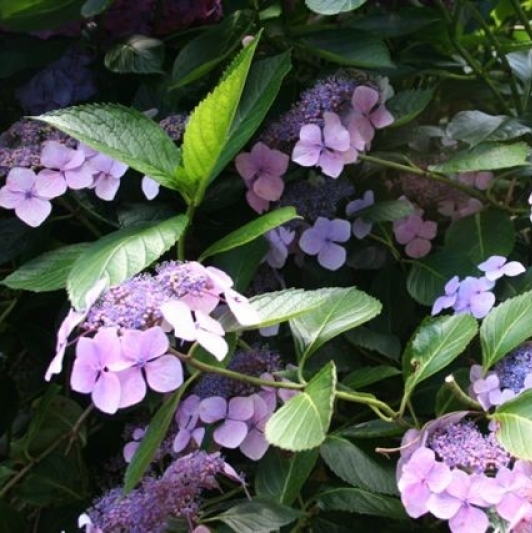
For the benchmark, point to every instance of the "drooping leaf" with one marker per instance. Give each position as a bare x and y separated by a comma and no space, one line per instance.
368,375
344,309
505,327
250,231
257,516
333,7
122,254
303,421
481,235
485,156
475,127
435,344
47,272
405,106
514,419
280,477
262,85
33,15
138,54
125,134
152,439
201,54
209,125
354,466
353,500
349,48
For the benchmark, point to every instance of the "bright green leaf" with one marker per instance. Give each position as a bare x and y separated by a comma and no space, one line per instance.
514,419
505,328
405,106
435,344
47,272
122,254
486,156
356,467
481,235
333,7
250,231
346,47
281,477
138,54
123,133
344,309
303,421
361,501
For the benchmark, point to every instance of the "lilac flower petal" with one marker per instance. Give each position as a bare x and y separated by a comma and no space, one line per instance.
418,247
132,387
336,137
150,187
231,433
306,155
34,211
245,165
55,155
469,519
80,177
129,451
213,343
332,256
381,117
361,228
364,99
181,440
258,204
255,445
269,187
179,316
241,307
443,505
241,408
106,393
310,134
340,230
20,179
481,304
50,184
153,343
10,199
428,230
513,268
106,188
164,374
213,409
361,128
495,262
84,375
414,498
331,163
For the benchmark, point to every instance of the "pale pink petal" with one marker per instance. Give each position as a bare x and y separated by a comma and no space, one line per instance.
106,393
254,446
310,134
269,187
77,158
245,166
257,203
84,375
513,268
414,498
34,211
335,135
381,117
241,408
79,177
213,343
213,409
331,163
278,162
154,343
332,256
306,155
55,155
469,519
20,179
418,247
164,374
428,229
150,187
231,433
10,199
361,127
132,386
179,316
106,188
50,184
240,306
442,505
364,99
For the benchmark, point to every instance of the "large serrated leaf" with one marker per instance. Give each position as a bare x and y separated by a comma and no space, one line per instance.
280,477
123,133
435,344
356,467
122,254
505,327
257,516
333,7
250,231
209,125
514,420
486,156
361,501
481,235
47,272
344,309
303,421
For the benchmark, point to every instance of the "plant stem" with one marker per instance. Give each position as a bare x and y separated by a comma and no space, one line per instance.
81,217
8,310
460,395
181,256
382,409
522,16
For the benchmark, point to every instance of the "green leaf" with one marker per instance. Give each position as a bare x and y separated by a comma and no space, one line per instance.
47,272
344,309
346,47
333,7
505,327
303,421
12,521
374,429
475,127
435,344
257,516
123,133
209,125
138,54
122,254
514,419
262,85
280,477
382,342
94,7
361,501
386,211
428,276
407,105
486,156
280,306
356,467
151,441
201,54
250,231
367,375
33,15
481,235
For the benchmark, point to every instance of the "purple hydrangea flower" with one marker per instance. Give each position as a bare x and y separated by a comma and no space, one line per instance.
449,298
322,239
28,195
150,187
479,180
475,296
187,418
329,149
497,266
361,227
255,445
279,239
416,234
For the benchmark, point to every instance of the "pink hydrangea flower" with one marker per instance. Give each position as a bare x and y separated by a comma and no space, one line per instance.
329,149
416,234
497,266
107,174
361,227
27,194
262,169
479,180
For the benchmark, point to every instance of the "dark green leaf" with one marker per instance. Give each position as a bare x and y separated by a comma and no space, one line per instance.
381,342
33,15
368,375
12,521
387,211
94,7
374,429
407,105
138,55
333,7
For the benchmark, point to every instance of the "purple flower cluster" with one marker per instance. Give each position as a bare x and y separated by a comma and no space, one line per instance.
453,471
415,234
508,378
62,83
177,494
473,295
130,346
